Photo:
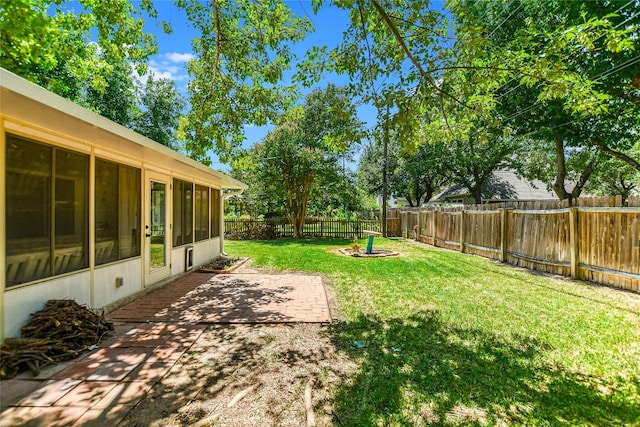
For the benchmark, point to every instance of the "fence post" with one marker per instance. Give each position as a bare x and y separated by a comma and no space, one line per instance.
419,225
462,231
433,228
573,241
504,232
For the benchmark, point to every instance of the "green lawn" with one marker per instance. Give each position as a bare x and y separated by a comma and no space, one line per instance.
445,338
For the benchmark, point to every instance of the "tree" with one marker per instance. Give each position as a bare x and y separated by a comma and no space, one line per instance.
337,195
117,100
305,149
388,51
574,87
578,56
473,160
161,109
615,177
237,75
50,44
415,174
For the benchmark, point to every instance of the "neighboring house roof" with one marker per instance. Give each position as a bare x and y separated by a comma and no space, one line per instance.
503,185
27,100
392,202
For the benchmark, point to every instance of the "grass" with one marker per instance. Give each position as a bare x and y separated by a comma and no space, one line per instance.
445,338
157,255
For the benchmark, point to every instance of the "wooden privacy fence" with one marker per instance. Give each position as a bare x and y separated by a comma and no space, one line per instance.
313,227
594,240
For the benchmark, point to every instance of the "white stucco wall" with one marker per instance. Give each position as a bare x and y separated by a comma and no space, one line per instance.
105,291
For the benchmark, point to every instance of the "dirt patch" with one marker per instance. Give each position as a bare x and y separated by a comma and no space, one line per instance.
376,253
248,375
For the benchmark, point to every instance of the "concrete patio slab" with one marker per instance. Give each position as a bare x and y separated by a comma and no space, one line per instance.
152,333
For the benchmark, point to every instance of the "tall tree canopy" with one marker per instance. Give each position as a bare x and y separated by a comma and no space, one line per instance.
305,150
390,51
571,84
161,109
118,99
243,50
405,54
50,44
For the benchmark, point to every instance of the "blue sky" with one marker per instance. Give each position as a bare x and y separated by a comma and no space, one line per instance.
175,50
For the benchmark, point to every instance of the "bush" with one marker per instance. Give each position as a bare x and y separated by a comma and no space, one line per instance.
253,231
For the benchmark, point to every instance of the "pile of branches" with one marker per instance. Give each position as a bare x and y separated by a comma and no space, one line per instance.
60,331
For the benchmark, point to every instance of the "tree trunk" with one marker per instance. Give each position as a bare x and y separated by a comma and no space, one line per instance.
477,194
584,176
298,228
561,172
298,207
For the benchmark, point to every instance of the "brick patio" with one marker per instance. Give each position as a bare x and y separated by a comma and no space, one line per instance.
232,298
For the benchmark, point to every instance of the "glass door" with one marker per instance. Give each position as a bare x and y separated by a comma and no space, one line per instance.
157,230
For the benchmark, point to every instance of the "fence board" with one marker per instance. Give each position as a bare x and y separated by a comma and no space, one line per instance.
393,227
540,241
610,242
448,229
482,233
425,233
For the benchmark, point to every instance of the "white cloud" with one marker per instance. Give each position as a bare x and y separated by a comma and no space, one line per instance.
167,70
179,57
162,68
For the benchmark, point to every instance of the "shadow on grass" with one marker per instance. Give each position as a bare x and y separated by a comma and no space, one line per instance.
420,370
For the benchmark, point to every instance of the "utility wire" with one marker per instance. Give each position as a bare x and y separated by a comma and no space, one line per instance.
505,20
606,73
575,53
305,12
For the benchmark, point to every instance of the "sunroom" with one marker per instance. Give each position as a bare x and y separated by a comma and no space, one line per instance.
91,210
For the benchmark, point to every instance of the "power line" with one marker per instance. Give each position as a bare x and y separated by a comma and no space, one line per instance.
602,75
308,17
506,19
576,53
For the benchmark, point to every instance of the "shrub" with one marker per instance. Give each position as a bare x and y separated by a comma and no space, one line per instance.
253,231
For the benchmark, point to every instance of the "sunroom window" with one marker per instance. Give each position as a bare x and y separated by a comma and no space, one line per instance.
118,200
201,212
182,212
215,212
46,210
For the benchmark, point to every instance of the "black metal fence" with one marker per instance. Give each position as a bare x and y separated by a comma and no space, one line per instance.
314,227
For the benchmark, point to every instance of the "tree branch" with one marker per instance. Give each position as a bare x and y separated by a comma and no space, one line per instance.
216,18
396,34
366,41
618,155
